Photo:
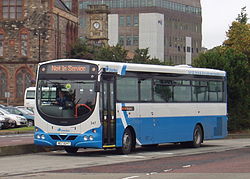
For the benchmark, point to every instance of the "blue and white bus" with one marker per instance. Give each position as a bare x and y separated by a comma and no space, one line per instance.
122,105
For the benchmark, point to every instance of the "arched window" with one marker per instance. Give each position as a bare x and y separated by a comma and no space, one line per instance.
23,81
24,43
12,9
3,83
1,42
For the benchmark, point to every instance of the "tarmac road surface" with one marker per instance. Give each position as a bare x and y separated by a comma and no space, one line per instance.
229,158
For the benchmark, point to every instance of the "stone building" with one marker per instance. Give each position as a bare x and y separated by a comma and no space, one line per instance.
32,31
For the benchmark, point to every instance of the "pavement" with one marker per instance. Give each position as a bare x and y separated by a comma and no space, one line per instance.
27,146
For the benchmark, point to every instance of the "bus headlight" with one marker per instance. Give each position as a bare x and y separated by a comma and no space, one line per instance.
38,136
42,137
94,130
85,138
91,137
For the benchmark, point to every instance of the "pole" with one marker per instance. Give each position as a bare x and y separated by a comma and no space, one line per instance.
39,46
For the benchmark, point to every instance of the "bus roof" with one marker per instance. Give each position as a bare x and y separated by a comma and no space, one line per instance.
122,68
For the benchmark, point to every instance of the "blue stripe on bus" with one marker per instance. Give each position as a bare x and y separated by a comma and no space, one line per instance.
124,68
167,129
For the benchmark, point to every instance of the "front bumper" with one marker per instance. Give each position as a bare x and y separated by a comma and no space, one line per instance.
89,139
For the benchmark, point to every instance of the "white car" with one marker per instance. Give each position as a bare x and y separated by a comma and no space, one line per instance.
6,122
19,120
2,122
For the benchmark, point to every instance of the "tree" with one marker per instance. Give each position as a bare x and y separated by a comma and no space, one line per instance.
114,53
239,34
82,50
141,56
238,75
242,17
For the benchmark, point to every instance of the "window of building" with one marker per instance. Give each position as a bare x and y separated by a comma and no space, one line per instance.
23,81
12,9
129,40
24,42
136,20
121,40
121,21
143,3
136,40
129,3
3,83
150,3
82,22
179,48
128,20
136,3
1,43
68,4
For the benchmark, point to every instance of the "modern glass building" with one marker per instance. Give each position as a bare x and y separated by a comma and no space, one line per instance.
171,29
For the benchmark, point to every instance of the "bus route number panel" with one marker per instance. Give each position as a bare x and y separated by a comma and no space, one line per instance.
65,69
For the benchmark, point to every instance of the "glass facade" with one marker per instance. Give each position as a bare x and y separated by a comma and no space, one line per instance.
143,3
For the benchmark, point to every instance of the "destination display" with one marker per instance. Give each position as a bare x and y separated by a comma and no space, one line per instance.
66,69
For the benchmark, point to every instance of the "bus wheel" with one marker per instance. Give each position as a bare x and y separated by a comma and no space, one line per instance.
197,137
71,150
127,142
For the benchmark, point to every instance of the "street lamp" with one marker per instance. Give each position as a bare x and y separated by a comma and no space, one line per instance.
41,32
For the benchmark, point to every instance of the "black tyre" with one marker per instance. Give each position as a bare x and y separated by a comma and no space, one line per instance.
71,150
127,142
197,137
30,123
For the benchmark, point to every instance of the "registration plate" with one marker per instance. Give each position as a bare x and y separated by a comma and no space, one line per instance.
59,143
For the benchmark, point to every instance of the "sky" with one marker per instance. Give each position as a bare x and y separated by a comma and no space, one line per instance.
217,16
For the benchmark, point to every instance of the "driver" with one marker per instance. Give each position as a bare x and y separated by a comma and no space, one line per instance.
61,100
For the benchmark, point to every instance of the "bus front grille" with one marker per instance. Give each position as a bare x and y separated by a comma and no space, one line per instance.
63,137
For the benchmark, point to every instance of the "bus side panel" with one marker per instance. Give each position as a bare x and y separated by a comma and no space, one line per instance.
172,122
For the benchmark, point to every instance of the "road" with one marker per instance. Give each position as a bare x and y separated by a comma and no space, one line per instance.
228,158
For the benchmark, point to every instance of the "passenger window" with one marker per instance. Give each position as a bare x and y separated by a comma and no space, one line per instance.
182,93
146,90
127,89
163,91
215,91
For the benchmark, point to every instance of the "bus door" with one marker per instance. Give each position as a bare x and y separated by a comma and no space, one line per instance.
108,110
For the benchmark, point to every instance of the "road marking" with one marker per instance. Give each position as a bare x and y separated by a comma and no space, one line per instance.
168,170
130,177
17,135
16,140
152,173
186,166
133,156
